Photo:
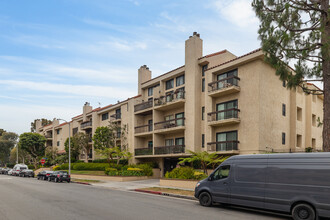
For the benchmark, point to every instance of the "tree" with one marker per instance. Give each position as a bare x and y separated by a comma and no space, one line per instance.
7,142
79,142
2,131
34,145
204,158
111,142
82,140
44,122
298,31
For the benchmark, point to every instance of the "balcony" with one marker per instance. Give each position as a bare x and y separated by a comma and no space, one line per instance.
225,86
223,117
143,130
143,151
170,126
86,125
142,107
115,117
175,149
49,136
170,101
223,146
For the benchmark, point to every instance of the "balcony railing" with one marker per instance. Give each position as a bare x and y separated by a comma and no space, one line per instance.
85,124
143,128
169,124
172,97
223,83
143,151
143,105
223,114
175,149
223,146
115,116
49,136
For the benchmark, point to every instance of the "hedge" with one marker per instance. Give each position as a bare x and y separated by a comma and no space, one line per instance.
131,170
185,173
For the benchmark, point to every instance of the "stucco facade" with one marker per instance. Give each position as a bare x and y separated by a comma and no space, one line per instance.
217,103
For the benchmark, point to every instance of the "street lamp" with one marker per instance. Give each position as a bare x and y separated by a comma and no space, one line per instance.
69,145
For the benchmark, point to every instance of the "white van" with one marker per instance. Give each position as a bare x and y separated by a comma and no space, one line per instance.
18,168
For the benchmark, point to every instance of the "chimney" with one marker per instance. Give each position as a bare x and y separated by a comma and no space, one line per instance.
86,109
144,75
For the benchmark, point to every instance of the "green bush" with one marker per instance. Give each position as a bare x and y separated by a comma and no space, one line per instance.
119,170
113,172
31,167
185,173
65,166
90,166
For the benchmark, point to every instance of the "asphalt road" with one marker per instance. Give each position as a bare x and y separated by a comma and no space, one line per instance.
30,199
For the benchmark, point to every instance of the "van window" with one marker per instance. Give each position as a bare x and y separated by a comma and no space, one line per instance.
221,173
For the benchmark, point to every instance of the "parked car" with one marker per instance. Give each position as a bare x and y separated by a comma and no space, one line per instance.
59,176
296,183
43,175
5,171
1,170
10,172
27,173
18,168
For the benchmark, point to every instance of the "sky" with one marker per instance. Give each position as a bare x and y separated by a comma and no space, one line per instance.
55,55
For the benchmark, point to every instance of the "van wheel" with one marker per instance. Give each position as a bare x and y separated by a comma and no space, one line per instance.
303,212
205,199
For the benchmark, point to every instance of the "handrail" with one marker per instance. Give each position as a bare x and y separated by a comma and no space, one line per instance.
143,105
174,149
169,123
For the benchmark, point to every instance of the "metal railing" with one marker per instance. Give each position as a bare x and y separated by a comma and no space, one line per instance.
143,128
115,116
223,114
85,124
169,124
172,97
223,83
222,146
175,149
143,105
48,136
143,151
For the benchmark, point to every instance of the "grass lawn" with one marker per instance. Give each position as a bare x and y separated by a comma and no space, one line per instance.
88,172
170,190
86,181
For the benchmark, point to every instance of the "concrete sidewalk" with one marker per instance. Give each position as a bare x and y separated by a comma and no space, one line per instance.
131,185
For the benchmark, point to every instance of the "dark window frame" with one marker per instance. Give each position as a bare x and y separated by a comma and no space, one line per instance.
283,138
169,82
179,77
283,109
105,116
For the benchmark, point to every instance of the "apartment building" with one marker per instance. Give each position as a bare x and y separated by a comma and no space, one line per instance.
216,103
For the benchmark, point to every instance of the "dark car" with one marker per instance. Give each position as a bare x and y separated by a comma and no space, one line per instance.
59,176
27,173
43,175
5,171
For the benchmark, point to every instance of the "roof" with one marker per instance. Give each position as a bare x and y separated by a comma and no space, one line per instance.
237,58
213,54
163,74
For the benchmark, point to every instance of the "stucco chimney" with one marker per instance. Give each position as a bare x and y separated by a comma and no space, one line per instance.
144,75
86,109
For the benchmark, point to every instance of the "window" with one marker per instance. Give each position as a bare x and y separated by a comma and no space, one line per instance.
150,125
203,140
169,142
283,110
313,143
169,84
226,141
221,173
313,120
299,140
118,113
150,91
284,83
283,138
179,141
227,78
227,110
204,68
299,114
58,143
203,112
150,144
180,80
74,131
58,131
105,116
179,119
203,85
169,117
169,96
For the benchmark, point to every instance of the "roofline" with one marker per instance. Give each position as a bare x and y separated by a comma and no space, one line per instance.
213,54
162,74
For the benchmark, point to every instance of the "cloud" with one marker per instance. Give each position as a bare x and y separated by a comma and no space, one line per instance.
238,12
81,90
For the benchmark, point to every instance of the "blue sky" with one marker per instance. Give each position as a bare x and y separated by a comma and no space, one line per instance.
55,55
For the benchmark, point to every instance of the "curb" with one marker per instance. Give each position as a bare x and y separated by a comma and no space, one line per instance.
80,183
165,194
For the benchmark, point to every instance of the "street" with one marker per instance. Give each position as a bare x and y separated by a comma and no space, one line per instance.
30,199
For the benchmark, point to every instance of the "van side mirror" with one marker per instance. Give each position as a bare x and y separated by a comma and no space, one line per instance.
210,178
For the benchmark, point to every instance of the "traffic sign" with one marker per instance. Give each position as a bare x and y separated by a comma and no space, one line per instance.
43,161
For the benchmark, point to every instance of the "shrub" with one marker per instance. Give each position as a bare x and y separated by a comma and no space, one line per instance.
147,169
114,172
65,166
31,167
134,169
185,173
56,168
131,170
90,166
